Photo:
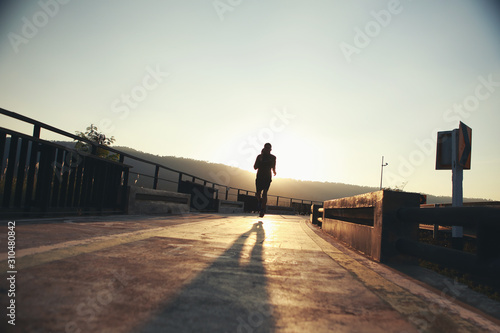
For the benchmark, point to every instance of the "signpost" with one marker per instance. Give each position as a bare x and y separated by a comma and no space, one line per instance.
443,151
464,145
454,152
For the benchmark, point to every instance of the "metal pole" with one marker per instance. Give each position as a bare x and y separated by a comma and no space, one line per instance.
382,171
457,232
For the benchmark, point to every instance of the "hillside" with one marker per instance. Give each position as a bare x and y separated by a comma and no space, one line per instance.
239,178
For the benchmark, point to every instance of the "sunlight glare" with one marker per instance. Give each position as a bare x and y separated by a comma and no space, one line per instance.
298,158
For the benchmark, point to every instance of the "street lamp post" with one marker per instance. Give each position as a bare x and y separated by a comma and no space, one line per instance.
382,171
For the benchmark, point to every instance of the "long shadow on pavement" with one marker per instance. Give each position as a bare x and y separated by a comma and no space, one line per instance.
229,296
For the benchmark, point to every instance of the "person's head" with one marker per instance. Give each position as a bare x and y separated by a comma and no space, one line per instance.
267,148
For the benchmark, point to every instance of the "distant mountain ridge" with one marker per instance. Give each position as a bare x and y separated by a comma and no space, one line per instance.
243,179
239,178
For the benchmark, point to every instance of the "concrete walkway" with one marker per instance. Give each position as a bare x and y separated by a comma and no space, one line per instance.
212,273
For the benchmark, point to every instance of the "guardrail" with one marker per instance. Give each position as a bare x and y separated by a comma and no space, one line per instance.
204,193
385,226
485,221
42,178
368,222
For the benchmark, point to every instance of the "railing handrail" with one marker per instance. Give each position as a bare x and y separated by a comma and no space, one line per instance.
78,138
451,216
38,125
53,144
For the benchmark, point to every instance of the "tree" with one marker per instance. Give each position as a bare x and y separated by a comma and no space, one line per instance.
95,136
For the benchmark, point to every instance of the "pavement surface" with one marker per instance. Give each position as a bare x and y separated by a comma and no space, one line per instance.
210,273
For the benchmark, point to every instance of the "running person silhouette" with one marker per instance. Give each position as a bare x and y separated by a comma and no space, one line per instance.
264,163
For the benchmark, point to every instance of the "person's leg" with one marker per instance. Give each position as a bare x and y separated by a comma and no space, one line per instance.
261,190
263,201
259,199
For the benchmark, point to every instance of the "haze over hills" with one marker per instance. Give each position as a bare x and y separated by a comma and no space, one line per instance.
238,178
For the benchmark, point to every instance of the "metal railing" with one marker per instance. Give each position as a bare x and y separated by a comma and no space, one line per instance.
399,221
42,178
485,221
162,176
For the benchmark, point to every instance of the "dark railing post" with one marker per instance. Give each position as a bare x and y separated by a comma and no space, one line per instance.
124,204
36,131
179,182
9,175
30,184
155,182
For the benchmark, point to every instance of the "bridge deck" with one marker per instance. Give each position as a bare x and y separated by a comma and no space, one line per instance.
212,273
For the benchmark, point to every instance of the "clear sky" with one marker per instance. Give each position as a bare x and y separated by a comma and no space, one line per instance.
333,85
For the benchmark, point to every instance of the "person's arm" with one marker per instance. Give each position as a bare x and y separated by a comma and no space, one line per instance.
256,165
274,167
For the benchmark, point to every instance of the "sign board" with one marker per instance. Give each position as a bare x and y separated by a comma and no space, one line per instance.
423,199
454,152
443,151
464,145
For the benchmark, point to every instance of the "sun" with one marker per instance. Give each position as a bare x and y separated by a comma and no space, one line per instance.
296,157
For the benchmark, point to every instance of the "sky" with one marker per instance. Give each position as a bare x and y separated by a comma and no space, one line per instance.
332,85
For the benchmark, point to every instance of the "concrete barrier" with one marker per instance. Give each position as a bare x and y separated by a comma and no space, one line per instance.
203,198
369,222
315,213
250,202
148,201
280,210
230,207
